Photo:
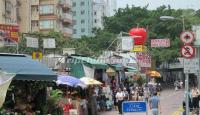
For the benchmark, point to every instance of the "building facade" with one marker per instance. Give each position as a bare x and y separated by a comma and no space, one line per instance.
88,14
82,18
98,13
8,11
110,7
38,15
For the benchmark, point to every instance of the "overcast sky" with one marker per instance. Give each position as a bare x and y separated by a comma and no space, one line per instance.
153,4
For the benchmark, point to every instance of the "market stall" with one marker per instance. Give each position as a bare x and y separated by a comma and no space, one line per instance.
29,85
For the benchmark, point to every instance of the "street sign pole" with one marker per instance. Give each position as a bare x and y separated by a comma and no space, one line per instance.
187,51
187,93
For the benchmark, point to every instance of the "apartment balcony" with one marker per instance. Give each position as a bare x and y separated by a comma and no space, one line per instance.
35,28
67,18
35,16
65,4
35,2
67,32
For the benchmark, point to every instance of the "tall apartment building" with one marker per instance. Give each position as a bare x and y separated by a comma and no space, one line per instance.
88,14
46,15
82,11
38,15
98,13
8,14
110,7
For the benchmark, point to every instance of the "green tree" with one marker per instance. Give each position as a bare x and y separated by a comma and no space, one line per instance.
129,17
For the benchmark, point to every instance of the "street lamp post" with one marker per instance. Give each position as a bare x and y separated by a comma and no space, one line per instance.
165,18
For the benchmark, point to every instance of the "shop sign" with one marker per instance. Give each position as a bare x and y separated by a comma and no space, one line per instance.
139,48
10,31
144,59
160,43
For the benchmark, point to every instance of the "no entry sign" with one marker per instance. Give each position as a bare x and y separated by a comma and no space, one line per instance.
187,37
187,51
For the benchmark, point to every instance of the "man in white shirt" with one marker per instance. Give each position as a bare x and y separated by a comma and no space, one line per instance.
119,97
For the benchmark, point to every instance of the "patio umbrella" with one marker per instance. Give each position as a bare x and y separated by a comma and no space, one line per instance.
90,81
154,74
70,81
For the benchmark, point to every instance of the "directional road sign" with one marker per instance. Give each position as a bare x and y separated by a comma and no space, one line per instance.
187,51
187,37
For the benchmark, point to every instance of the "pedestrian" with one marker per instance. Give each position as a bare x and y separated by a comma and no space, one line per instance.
195,98
126,94
181,84
158,88
120,98
146,94
176,84
154,104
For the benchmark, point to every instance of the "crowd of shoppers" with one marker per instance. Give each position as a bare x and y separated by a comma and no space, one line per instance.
146,92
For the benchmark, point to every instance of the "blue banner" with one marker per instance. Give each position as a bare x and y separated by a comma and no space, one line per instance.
134,106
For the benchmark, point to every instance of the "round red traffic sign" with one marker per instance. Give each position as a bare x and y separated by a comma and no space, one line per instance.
187,51
187,37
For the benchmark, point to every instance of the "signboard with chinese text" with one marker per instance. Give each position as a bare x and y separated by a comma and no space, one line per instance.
144,59
32,42
191,65
139,48
10,31
160,43
49,43
134,107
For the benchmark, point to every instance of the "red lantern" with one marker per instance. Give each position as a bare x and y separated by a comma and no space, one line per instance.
139,34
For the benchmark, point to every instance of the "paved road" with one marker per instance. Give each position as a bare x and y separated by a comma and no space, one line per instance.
170,102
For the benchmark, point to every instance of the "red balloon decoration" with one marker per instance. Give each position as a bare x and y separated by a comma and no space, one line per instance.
139,34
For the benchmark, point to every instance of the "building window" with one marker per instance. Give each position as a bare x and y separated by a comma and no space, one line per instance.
74,4
34,24
74,31
82,3
82,29
74,13
95,13
8,20
82,12
82,21
8,7
95,20
46,24
46,9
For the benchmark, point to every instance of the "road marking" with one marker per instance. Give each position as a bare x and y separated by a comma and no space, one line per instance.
179,111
